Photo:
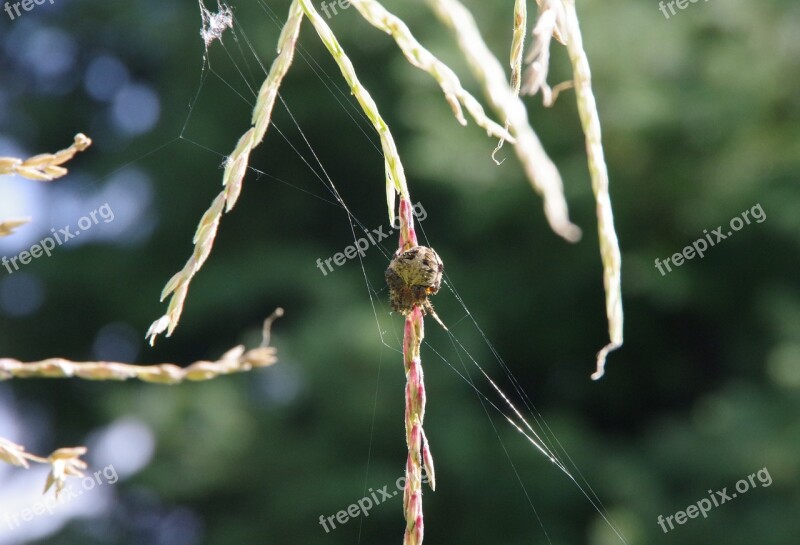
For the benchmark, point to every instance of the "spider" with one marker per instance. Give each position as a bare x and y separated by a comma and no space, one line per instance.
412,276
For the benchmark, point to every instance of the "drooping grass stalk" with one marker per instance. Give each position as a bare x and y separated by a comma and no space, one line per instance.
559,19
518,43
609,245
539,168
376,15
419,453
538,58
235,168
395,174
517,47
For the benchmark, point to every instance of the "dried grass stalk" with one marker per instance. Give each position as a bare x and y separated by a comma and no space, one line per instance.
418,56
45,167
539,168
395,174
235,168
558,19
518,43
66,462
609,245
538,58
517,47
235,360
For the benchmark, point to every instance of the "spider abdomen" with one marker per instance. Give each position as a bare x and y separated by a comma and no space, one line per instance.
412,276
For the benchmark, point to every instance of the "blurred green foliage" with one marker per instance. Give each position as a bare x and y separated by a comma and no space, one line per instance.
701,120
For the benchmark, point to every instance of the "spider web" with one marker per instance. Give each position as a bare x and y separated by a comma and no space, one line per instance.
528,421
495,402
514,408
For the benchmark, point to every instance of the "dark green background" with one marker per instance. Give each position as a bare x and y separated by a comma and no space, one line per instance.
700,121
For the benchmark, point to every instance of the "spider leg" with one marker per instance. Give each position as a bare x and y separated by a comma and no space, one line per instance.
427,307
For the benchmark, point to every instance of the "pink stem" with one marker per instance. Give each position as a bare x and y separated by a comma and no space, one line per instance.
418,449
